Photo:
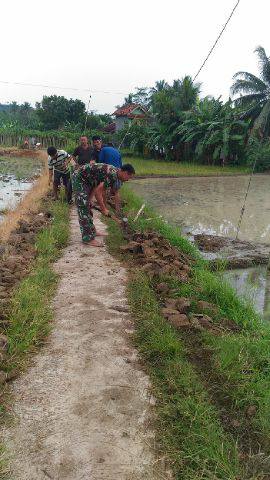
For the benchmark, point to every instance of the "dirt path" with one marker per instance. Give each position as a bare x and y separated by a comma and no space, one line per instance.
83,408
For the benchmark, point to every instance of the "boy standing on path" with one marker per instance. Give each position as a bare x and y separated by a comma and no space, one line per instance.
95,179
58,169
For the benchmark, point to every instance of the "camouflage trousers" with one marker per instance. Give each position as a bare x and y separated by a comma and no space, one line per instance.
82,195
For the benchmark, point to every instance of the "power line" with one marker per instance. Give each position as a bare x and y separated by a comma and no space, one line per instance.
61,88
217,40
24,84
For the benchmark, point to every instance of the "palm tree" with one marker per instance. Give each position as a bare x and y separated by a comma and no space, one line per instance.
159,86
128,99
255,93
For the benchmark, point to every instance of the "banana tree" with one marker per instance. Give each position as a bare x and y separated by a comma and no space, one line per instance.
214,131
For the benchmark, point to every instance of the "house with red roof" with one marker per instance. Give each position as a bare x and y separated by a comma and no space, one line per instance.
129,112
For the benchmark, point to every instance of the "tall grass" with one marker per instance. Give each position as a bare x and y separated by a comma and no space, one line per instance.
188,428
160,167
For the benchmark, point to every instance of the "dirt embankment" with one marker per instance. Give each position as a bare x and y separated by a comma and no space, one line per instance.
17,254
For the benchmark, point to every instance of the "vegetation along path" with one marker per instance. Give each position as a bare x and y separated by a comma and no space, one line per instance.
83,407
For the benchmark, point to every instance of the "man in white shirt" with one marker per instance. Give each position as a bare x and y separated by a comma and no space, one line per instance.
58,170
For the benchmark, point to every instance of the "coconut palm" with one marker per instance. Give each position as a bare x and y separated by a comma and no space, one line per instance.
159,86
255,93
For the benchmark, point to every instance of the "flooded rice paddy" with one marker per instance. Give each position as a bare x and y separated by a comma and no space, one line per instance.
16,177
213,205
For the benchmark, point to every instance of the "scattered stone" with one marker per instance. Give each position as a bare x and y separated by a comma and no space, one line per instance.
162,287
183,304
148,251
236,423
230,324
169,311
251,411
202,305
206,322
179,320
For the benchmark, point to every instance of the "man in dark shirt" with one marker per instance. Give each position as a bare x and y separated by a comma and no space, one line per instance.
97,146
83,154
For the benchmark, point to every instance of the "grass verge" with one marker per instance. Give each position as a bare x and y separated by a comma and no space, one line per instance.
225,376
150,167
30,312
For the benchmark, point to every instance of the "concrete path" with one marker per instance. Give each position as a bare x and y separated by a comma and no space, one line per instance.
82,411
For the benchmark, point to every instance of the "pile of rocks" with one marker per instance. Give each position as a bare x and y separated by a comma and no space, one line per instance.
157,257
182,313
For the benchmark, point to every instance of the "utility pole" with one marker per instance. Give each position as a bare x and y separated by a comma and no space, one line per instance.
87,110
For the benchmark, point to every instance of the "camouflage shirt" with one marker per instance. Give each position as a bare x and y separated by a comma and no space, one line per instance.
98,173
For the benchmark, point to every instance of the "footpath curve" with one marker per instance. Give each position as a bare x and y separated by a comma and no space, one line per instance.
82,410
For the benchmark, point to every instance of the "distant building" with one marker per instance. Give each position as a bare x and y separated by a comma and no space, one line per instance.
124,115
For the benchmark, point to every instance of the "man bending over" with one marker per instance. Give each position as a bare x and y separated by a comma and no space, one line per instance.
58,169
95,179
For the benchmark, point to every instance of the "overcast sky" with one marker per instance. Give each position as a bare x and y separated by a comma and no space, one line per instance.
115,46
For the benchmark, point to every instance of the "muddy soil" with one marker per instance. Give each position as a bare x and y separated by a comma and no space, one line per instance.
237,253
18,254
83,410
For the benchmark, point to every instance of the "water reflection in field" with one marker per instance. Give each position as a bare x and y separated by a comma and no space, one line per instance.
250,284
16,177
11,191
211,205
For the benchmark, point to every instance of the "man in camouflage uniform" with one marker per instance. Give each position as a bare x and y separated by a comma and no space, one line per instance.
96,178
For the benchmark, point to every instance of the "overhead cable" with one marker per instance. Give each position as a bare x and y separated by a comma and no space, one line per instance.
216,41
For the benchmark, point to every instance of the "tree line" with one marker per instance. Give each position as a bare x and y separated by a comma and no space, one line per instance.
182,126
52,113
